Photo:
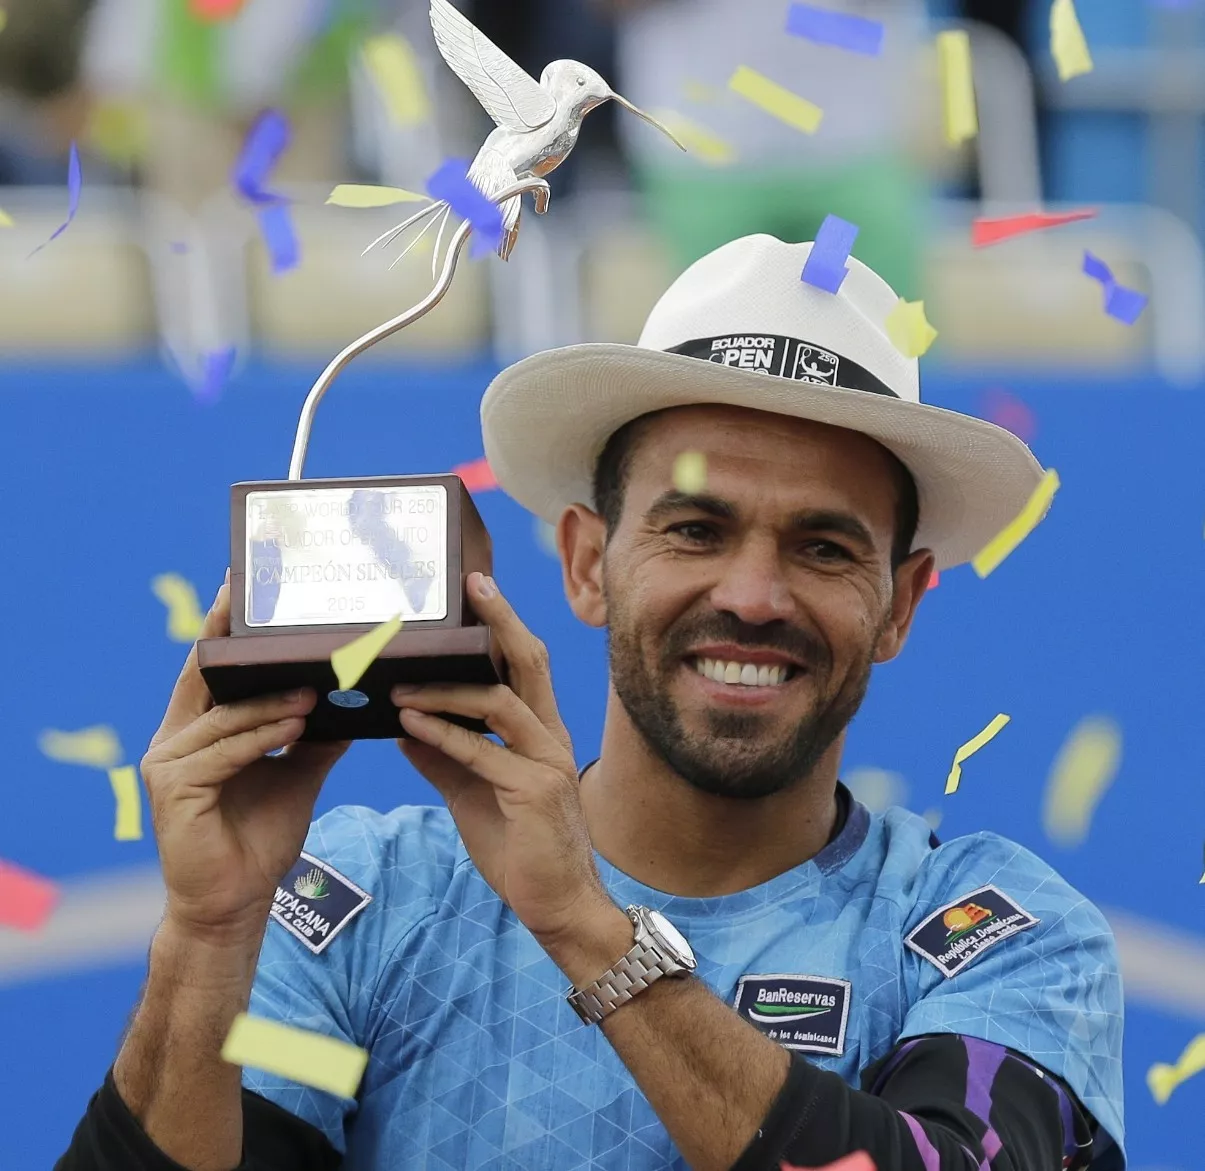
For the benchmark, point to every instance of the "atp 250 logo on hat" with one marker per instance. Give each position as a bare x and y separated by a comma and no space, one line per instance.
812,364
805,1013
955,934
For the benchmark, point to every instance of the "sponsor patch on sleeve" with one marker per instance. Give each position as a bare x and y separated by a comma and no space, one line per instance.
315,902
806,1013
955,934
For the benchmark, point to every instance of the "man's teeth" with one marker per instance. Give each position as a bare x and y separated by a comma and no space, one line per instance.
748,674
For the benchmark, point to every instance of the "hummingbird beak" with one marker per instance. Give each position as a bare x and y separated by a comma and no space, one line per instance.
648,118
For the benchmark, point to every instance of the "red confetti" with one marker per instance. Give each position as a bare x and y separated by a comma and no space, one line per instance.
26,900
214,10
985,232
859,1161
477,475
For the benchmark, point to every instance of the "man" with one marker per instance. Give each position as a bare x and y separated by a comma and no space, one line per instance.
780,945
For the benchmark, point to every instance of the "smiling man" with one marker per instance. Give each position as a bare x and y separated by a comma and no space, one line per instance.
758,969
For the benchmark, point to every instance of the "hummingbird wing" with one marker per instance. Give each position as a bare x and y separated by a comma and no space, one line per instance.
510,95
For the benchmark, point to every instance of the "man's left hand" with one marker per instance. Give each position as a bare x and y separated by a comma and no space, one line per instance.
515,804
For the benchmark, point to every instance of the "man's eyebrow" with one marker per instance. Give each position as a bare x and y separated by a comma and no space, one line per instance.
814,520
675,501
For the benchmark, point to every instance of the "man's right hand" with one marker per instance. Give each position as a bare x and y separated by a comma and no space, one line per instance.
230,820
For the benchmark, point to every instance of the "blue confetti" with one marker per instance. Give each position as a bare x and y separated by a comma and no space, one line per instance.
451,184
266,141
855,33
215,373
1124,304
276,228
825,265
75,182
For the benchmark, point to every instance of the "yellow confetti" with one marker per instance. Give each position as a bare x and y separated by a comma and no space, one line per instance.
3,20
184,616
368,195
395,69
326,1063
785,105
1067,44
690,472
696,91
127,826
1163,1079
698,140
6,221
957,86
1082,773
1013,533
351,660
96,746
970,748
909,329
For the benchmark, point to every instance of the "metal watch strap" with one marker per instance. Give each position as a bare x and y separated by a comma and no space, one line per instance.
633,973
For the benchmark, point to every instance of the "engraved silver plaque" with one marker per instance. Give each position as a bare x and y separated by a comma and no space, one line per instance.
327,556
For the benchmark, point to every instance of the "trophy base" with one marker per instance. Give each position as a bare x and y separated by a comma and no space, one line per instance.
249,665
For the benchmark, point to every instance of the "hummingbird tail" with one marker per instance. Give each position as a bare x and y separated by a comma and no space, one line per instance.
388,237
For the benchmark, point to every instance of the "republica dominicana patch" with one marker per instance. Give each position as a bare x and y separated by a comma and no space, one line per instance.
315,902
806,1013
955,934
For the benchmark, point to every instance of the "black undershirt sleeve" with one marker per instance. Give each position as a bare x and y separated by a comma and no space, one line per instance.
109,1138
919,1111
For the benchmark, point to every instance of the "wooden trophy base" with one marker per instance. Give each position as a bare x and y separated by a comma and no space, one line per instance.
357,531
243,667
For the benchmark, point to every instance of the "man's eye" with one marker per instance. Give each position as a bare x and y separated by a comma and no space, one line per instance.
693,531
827,551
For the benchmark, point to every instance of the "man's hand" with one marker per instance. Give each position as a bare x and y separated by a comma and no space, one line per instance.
516,804
230,820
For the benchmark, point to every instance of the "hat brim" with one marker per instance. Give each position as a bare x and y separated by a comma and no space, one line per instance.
546,419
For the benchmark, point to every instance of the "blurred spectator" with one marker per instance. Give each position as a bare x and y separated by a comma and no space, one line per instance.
203,82
43,107
678,55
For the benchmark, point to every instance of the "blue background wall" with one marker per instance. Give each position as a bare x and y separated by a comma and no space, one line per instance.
110,476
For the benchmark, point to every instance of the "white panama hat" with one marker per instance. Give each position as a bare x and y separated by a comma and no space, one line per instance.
740,327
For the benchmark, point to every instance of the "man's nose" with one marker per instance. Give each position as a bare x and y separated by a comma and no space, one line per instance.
753,586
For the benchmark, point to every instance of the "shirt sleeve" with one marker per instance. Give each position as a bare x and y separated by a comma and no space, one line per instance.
367,881
110,1138
942,1103
1001,949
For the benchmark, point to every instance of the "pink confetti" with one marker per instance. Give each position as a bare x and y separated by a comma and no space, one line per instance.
26,900
859,1161
214,10
1009,412
477,475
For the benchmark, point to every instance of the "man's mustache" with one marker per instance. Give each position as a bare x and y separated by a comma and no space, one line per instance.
793,641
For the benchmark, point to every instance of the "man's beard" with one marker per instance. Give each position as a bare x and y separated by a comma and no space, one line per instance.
733,759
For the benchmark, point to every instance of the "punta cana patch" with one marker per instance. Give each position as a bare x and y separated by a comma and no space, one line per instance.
315,902
957,933
805,1013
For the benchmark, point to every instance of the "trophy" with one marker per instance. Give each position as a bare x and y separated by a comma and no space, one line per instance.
315,564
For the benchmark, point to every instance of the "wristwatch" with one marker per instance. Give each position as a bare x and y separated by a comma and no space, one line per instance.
660,950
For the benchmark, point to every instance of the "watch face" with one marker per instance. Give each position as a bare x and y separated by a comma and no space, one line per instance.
674,939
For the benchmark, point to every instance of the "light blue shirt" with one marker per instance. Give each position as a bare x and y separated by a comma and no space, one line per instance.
477,1061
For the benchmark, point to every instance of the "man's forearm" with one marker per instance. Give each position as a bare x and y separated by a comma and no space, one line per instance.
170,1072
709,1077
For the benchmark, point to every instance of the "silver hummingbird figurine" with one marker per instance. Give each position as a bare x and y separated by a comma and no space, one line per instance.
538,121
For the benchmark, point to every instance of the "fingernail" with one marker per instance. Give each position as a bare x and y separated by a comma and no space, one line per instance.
486,587
401,689
295,696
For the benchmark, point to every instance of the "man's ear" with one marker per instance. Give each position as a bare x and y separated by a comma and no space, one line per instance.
911,580
581,538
